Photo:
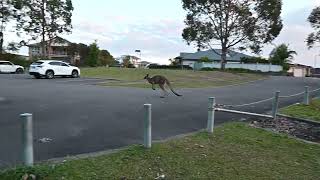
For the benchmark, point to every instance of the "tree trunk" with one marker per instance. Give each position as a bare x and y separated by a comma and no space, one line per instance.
44,54
223,57
1,42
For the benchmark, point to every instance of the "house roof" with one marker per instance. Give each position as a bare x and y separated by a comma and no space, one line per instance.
56,40
300,65
214,55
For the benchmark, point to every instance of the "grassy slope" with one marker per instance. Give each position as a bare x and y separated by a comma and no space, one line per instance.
234,151
179,78
311,112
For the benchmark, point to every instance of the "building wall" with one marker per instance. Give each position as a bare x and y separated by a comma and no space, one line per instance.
188,63
299,71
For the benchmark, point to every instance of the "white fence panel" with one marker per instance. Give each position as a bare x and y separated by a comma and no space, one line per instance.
253,67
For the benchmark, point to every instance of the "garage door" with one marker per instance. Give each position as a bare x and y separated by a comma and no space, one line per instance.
298,73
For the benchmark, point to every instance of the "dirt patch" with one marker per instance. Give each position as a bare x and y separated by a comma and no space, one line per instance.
302,130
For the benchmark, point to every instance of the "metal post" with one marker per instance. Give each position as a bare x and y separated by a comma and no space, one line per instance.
27,139
147,126
211,110
306,100
275,105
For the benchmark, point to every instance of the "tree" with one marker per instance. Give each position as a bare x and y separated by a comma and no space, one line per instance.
314,20
174,62
93,56
204,59
9,10
105,58
232,23
126,61
46,19
282,55
79,49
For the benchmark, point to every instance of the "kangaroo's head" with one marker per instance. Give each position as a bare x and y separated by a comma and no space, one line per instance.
146,77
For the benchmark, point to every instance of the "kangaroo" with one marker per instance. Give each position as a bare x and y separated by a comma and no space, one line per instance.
161,80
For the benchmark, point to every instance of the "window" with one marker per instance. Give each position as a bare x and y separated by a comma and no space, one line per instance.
6,63
55,63
37,63
64,64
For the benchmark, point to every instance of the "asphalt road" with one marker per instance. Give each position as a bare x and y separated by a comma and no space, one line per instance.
81,117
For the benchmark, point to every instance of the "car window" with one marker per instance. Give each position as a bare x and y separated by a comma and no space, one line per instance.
6,63
55,63
64,64
37,63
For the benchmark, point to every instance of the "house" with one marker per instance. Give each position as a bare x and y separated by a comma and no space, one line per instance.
58,50
143,64
135,61
213,55
315,72
299,70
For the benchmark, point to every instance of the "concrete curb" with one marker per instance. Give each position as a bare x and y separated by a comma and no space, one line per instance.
300,119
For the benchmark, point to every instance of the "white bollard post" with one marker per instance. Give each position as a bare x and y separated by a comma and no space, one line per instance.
211,110
306,100
275,105
147,126
27,139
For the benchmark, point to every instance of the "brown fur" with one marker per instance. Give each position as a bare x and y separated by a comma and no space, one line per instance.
161,81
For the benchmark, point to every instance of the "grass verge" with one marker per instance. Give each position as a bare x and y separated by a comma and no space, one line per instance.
234,151
311,111
179,78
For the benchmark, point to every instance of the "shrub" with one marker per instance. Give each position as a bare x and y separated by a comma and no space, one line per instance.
204,59
15,59
254,60
153,66
209,69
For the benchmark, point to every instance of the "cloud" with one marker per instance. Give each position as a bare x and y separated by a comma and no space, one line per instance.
294,33
158,39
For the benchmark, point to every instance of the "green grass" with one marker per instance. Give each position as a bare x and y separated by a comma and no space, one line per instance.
311,111
179,78
234,151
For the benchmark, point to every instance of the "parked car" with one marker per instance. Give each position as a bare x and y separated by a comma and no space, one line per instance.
9,67
52,68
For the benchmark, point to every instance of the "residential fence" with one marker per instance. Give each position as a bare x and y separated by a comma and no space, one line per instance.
27,119
253,67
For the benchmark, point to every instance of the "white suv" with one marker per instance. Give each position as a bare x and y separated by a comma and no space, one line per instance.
8,67
51,68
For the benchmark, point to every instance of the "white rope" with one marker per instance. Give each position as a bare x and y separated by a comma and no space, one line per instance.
293,95
242,105
315,90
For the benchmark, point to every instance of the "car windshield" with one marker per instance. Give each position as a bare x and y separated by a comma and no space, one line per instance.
37,63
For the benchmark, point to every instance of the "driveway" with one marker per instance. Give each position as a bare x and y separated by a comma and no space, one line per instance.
81,117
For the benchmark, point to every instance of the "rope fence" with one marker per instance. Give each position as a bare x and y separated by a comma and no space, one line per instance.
266,100
243,105
27,120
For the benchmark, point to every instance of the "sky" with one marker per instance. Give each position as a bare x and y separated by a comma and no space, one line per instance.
155,27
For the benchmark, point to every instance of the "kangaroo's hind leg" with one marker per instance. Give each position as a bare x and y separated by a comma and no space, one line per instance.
165,92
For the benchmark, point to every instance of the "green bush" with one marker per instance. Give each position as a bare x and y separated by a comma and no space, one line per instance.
240,70
209,69
254,60
204,59
15,59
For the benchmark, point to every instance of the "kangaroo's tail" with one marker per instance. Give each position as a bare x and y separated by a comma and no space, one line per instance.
168,83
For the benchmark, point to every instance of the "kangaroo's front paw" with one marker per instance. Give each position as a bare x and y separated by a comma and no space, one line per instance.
154,89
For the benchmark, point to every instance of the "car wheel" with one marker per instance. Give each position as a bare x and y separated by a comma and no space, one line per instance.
19,71
75,74
49,74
